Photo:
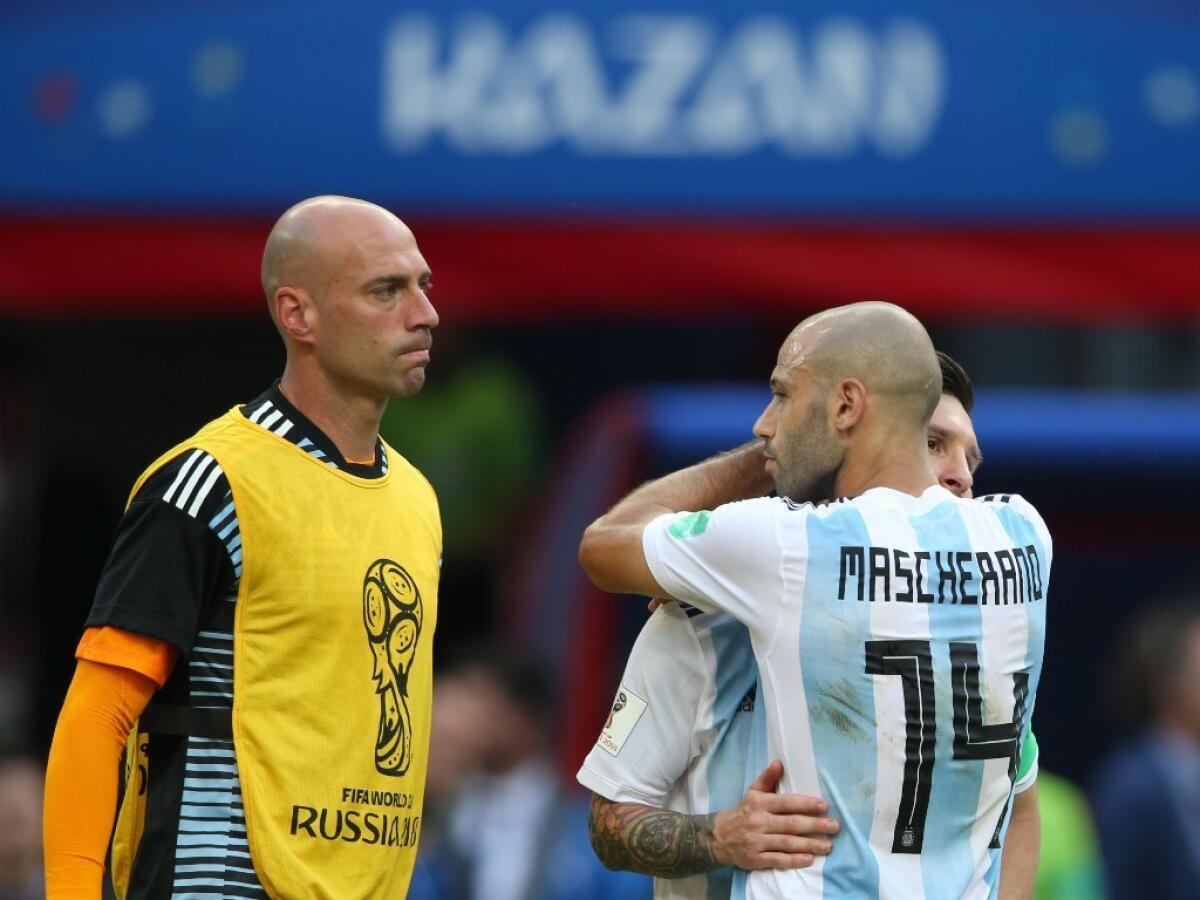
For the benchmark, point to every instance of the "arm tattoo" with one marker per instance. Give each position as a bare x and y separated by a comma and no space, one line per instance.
635,838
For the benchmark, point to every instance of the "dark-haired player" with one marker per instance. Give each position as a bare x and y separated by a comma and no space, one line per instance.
669,769
898,629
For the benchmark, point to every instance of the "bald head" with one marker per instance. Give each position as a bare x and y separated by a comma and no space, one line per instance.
880,344
315,239
348,290
852,392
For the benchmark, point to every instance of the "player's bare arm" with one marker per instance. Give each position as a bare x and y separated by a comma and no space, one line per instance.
765,830
635,838
611,549
1022,847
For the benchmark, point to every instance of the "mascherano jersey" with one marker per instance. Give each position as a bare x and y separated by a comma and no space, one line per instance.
899,642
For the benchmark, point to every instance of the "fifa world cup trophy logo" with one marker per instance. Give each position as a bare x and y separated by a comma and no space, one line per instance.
392,614
618,705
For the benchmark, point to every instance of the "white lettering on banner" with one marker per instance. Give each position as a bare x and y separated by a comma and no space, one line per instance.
661,85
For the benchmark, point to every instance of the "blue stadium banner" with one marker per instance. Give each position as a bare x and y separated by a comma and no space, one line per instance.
926,109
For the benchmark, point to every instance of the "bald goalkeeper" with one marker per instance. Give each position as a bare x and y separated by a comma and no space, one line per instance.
898,628
259,649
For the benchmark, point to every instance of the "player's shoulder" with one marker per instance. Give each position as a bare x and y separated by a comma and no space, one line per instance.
1015,502
702,623
672,625
681,628
745,519
771,505
1006,505
190,480
761,509
667,645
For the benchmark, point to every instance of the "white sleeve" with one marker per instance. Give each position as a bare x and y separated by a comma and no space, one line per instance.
1027,511
1028,781
647,744
1027,769
726,560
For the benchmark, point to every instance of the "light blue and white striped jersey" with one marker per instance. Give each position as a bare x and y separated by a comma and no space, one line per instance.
678,734
899,641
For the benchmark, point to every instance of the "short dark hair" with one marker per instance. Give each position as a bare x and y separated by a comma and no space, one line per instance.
955,381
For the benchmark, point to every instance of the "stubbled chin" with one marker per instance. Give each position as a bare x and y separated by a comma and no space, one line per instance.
411,383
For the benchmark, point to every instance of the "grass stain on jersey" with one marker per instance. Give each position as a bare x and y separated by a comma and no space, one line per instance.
839,705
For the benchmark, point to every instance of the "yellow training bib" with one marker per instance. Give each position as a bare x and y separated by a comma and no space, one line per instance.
332,655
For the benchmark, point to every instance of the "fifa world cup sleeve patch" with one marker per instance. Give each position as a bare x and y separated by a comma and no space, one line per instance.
627,708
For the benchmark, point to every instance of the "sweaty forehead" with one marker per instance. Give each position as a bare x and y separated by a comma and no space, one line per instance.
794,351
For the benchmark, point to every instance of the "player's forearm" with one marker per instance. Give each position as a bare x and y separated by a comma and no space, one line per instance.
1022,846
631,837
611,549
101,706
737,474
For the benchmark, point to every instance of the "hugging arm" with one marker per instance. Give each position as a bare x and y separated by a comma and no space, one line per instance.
1022,846
635,838
765,830
611,549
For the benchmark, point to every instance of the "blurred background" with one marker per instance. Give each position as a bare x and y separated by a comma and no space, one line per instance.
626,208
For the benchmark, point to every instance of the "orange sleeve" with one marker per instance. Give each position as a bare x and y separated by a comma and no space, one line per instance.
117,647
102,704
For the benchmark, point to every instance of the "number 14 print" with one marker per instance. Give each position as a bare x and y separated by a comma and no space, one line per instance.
913,662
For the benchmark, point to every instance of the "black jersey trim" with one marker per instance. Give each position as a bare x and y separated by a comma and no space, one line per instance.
273,411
